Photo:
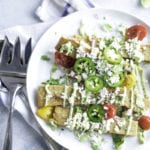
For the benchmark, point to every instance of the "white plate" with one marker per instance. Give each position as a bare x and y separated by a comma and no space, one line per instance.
39,70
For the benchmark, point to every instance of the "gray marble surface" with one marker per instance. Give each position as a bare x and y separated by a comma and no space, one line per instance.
18,12
22,133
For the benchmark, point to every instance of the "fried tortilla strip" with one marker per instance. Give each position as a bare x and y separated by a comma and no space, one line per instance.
60,115
145,49
54,101
116,129
55,96
41,95
147,103
127,100
57,91
64,40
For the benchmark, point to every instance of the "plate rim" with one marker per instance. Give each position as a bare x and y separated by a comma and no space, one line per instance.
49,28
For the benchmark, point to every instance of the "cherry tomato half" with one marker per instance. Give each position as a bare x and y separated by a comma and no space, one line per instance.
144,122
138,31
64,60
110,111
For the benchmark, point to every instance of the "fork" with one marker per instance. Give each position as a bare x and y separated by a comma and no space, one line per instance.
12,74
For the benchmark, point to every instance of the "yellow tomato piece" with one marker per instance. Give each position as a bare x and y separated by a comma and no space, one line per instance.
130,81
45,112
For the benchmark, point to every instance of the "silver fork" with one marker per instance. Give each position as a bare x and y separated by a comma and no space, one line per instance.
12,74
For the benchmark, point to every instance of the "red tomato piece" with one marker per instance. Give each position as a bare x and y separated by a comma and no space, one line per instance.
144,122
136,31
110,111
64,60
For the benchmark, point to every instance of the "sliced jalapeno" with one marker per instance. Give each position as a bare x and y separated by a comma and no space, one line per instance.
112,56
96,113
115,80
84,64
93,84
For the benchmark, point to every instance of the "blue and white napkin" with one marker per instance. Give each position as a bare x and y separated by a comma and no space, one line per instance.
51,9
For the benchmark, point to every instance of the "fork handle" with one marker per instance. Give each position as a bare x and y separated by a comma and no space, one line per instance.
8,135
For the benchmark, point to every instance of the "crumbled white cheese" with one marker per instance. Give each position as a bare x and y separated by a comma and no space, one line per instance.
109,73
96,139
67,48
116,44
122,29
94,52
94,126
78,121
129,112
104,92
85,122
112,54
84,75
114,79
121,123
133,47
116,128
102,44
105,108
108,124
72,73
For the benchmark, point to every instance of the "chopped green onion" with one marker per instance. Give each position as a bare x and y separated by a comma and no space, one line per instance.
52,82
118,141
54,68
45,57
141,136
52,124
107,27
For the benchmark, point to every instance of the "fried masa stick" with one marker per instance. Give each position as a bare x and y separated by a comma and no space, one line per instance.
57,90
61,114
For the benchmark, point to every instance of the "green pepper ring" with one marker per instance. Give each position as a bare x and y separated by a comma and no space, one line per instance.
119,83
81,60
96,113
111,60
98,81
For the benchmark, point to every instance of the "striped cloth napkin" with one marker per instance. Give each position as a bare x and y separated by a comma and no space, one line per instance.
51,9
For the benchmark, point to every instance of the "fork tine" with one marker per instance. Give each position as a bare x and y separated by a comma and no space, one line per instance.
28,50
16,56
5,52
1,44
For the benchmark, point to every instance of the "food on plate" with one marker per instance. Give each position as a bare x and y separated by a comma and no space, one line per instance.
102,86
136,31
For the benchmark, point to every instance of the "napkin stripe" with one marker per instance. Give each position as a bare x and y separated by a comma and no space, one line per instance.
90,3
66,11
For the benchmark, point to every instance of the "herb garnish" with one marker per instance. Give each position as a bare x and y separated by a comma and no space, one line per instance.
45,57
